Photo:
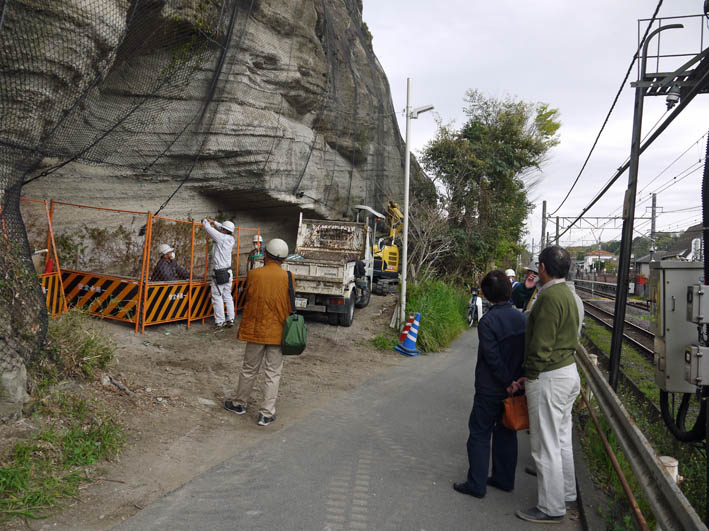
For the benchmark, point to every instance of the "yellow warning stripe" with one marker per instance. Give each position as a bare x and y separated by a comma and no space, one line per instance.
119,298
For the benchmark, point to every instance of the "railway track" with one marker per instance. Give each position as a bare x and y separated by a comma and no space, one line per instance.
641,338
635,304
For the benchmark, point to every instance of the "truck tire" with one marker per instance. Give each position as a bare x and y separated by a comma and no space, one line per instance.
363,299
332,318
346,318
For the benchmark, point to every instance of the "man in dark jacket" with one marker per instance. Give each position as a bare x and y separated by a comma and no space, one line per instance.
500,356
167,268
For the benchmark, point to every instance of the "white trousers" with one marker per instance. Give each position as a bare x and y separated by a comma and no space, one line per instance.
549,400
221,296
271,357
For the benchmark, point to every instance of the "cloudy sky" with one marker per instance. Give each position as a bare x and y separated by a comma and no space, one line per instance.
572,56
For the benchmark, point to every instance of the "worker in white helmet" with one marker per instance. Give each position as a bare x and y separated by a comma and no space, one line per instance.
256,252
512,276
222,236
167,269
266,308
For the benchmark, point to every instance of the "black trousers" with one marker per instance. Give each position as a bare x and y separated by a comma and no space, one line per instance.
486,423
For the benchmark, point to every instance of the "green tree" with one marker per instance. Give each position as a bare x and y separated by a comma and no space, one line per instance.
483,172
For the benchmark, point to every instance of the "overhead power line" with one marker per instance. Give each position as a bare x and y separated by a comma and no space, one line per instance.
610,111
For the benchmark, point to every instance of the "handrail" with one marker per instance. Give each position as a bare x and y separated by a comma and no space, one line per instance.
671,508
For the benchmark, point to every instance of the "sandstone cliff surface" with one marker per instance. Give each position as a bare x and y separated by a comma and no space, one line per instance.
300,118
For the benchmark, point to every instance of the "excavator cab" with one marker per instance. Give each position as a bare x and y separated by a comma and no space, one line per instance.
386,252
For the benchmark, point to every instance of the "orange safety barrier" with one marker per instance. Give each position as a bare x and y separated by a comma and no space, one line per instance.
129,294
40,233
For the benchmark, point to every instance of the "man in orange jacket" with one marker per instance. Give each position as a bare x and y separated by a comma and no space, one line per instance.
265,311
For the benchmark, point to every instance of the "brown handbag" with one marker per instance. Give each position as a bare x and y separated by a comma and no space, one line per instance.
516,416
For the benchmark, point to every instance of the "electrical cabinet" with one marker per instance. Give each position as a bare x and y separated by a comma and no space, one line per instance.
669,280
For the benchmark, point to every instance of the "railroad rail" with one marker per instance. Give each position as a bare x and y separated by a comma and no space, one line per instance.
641,338
607,290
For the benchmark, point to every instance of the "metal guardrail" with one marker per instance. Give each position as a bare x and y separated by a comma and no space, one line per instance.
671,508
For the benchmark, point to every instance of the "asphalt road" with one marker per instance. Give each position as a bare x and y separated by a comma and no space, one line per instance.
382,457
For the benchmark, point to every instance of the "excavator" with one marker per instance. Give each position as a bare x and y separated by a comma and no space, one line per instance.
386,252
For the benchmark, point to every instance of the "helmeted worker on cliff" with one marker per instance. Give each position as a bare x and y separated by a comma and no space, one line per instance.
265,311
221,235
256,252
167,268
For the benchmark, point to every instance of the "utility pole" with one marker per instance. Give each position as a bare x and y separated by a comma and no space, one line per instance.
556,240
544,225
652,228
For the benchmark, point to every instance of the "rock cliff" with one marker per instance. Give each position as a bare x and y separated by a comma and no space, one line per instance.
300,118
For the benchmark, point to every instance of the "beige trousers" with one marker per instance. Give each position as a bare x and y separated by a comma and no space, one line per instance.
549,401
272,359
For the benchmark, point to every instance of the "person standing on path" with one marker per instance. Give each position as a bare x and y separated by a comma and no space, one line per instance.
222,236
266,308
522,293
500,356
552,384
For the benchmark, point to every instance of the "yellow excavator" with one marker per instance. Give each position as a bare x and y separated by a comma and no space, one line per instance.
386,252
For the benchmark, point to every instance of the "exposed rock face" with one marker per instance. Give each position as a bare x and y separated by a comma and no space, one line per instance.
301,119
261,108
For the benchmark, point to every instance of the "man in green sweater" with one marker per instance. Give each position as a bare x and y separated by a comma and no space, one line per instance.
552,384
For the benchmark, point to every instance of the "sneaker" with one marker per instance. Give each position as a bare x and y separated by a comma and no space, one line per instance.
229,324
238,408
538,517
265,421
218,326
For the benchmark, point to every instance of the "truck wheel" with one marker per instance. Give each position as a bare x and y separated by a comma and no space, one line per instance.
347,317
363,299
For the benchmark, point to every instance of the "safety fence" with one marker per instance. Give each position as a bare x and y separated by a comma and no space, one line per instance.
40,236
112,270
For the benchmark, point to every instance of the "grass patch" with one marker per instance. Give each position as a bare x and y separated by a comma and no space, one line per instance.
37,475
385,341
443,308
76,347
692,462
74,433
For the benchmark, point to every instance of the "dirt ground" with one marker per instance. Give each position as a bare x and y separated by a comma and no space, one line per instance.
175,423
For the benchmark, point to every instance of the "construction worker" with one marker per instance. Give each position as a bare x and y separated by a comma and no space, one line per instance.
512,277
167,268
221,235
256,252
265,311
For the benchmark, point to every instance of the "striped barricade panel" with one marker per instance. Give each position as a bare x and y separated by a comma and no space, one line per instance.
201,301
238,292
166,302
51,287
102,295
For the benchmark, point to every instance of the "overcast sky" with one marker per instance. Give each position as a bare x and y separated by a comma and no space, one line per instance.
570,55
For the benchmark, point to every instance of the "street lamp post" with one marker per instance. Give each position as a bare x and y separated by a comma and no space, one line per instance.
411,114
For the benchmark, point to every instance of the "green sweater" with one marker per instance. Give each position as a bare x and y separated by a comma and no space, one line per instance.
551,337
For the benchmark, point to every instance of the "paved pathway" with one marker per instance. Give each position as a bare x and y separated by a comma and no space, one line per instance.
382,457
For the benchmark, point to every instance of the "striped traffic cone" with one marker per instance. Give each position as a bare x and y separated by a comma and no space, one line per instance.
408,346
405,331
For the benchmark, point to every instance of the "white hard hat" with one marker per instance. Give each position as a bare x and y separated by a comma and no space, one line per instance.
510,273
277,248
228,225
164,248
257,238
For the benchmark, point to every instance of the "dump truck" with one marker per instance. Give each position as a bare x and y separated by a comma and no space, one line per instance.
332,267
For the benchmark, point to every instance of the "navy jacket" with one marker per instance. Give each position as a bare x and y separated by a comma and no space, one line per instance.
500,349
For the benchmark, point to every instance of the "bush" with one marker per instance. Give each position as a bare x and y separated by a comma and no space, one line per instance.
443,308
75,348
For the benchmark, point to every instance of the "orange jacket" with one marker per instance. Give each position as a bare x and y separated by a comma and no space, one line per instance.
267,305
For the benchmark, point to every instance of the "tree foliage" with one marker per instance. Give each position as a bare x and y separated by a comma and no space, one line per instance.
483,172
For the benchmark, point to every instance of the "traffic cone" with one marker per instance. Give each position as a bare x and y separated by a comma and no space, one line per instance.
405,331
408,346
